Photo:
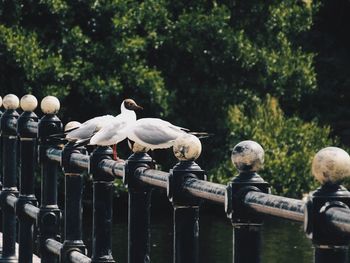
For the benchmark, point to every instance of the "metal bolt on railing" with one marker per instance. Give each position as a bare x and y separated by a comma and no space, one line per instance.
330,166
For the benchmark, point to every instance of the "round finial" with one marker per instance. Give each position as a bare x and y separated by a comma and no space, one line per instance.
28,103
137,148
248,156
331,165
187,148
11,102
50,105
71,125
0,101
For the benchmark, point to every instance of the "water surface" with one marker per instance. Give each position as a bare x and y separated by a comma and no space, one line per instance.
282,241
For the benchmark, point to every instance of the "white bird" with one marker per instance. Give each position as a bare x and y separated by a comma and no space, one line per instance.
155,133
106,130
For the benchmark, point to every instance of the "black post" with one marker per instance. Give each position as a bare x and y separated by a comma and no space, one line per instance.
0,159
186,212
103,189
73,206
27,172
329,244
248,157
138,210
0,149
330,165
331,254
9,154
49,215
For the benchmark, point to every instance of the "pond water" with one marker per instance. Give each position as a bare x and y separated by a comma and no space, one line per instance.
282,240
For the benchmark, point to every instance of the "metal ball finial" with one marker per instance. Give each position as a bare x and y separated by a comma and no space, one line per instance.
28,102
187,148
331,165
10,102
248,156
71,125
137,148
0,101
50,105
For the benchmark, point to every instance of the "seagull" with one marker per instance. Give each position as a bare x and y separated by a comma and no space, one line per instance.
154,133
105,130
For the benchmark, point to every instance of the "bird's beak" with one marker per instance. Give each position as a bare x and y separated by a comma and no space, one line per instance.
137,107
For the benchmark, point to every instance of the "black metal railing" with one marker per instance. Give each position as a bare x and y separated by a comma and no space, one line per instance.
326,213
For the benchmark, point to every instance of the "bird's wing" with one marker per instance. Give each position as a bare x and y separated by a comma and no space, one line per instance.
161,122
110,134
89,128
155,133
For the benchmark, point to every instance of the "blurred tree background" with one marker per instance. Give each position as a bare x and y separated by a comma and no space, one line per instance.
199,64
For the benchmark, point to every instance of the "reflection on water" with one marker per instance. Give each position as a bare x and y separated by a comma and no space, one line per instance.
283,241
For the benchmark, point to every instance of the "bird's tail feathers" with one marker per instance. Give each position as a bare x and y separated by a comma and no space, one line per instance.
62,134
202,135
57,135
184,129
81,142
71,129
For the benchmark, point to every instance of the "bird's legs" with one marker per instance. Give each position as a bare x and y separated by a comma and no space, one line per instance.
115,156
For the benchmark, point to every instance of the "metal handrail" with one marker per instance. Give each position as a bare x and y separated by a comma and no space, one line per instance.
274,205
53,246
152,177
206,190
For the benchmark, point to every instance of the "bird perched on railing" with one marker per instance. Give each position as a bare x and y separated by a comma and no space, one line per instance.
154,133
105,130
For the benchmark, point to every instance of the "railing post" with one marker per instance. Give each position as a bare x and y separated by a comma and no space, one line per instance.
138,209
0,149
103,189
49,215
186,209
0,157
330,165
73,206
248,158
26,180
9,153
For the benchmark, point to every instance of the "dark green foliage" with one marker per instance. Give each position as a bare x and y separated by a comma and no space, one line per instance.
76,50
329,40
216,51
186,61
289,143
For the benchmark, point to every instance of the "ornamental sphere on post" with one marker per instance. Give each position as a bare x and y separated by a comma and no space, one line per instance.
0,101
50,105
28,102
248,156
10,102
331,165
187,148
